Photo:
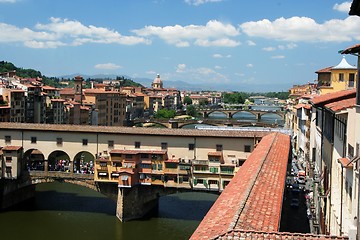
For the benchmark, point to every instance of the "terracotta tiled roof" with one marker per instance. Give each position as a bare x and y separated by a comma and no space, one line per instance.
340,105
345,162
250,206
58,100
99,91
11,148
48,88
214,153
253,198
302,105
242,234
131,130
137,151
67,91
335,96
325,70
352,49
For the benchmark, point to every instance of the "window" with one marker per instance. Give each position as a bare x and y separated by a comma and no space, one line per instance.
341,77
247,148
191,146
214,169
137,144
84,142
116,164
110,144
215,159
219,147
128,156
33,139
351,80
59,141
159,166
103,164
164,146
350,151
144,156
8,139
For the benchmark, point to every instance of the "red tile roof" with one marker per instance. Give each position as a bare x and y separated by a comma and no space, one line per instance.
302,105
335,96
352,49
137,151
340,105
325,70
11,148
345,162
250,206
242,234
256,193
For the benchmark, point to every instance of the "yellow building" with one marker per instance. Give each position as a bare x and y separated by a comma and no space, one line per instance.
340,77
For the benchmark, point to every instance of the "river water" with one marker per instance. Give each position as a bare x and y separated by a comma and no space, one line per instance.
66,211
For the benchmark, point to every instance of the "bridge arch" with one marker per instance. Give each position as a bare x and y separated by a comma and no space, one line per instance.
59,160
244,111
280,114
153,122
34,159
196,123
83,162
208,113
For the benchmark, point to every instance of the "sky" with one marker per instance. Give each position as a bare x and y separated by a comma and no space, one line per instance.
225,45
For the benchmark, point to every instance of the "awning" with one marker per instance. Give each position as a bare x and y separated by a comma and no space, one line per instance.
345,162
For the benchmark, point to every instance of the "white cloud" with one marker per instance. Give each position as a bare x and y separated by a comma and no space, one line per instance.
63,32
218,67
249,65
107,66
218,55
200,2
181,68
250,43
269,49
278,57
43,44
342,7
214,33
296,29
287,46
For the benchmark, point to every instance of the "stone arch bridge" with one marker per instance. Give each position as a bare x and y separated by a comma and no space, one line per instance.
231,112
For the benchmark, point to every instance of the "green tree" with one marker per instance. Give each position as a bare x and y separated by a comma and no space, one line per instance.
235,97
165,113
187,100
191,111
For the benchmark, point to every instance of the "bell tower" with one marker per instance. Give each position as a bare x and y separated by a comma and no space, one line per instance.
78,80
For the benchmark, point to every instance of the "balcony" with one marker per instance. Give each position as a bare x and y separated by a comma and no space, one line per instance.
200,162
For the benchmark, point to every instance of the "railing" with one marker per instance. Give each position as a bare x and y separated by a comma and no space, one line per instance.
200,162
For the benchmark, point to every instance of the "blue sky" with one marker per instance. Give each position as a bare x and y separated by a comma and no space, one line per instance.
262,45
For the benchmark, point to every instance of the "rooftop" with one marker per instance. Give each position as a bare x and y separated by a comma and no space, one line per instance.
335,96
133,130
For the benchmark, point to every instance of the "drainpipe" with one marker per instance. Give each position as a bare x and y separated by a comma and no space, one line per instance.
341,198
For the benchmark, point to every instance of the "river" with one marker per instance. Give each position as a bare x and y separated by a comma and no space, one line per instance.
67,211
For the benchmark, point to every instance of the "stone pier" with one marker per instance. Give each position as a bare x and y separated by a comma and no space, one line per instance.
139,200
13,192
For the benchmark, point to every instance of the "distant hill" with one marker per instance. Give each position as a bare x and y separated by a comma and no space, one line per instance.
21,72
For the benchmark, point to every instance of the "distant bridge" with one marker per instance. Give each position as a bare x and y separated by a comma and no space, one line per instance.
231,112
180,123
